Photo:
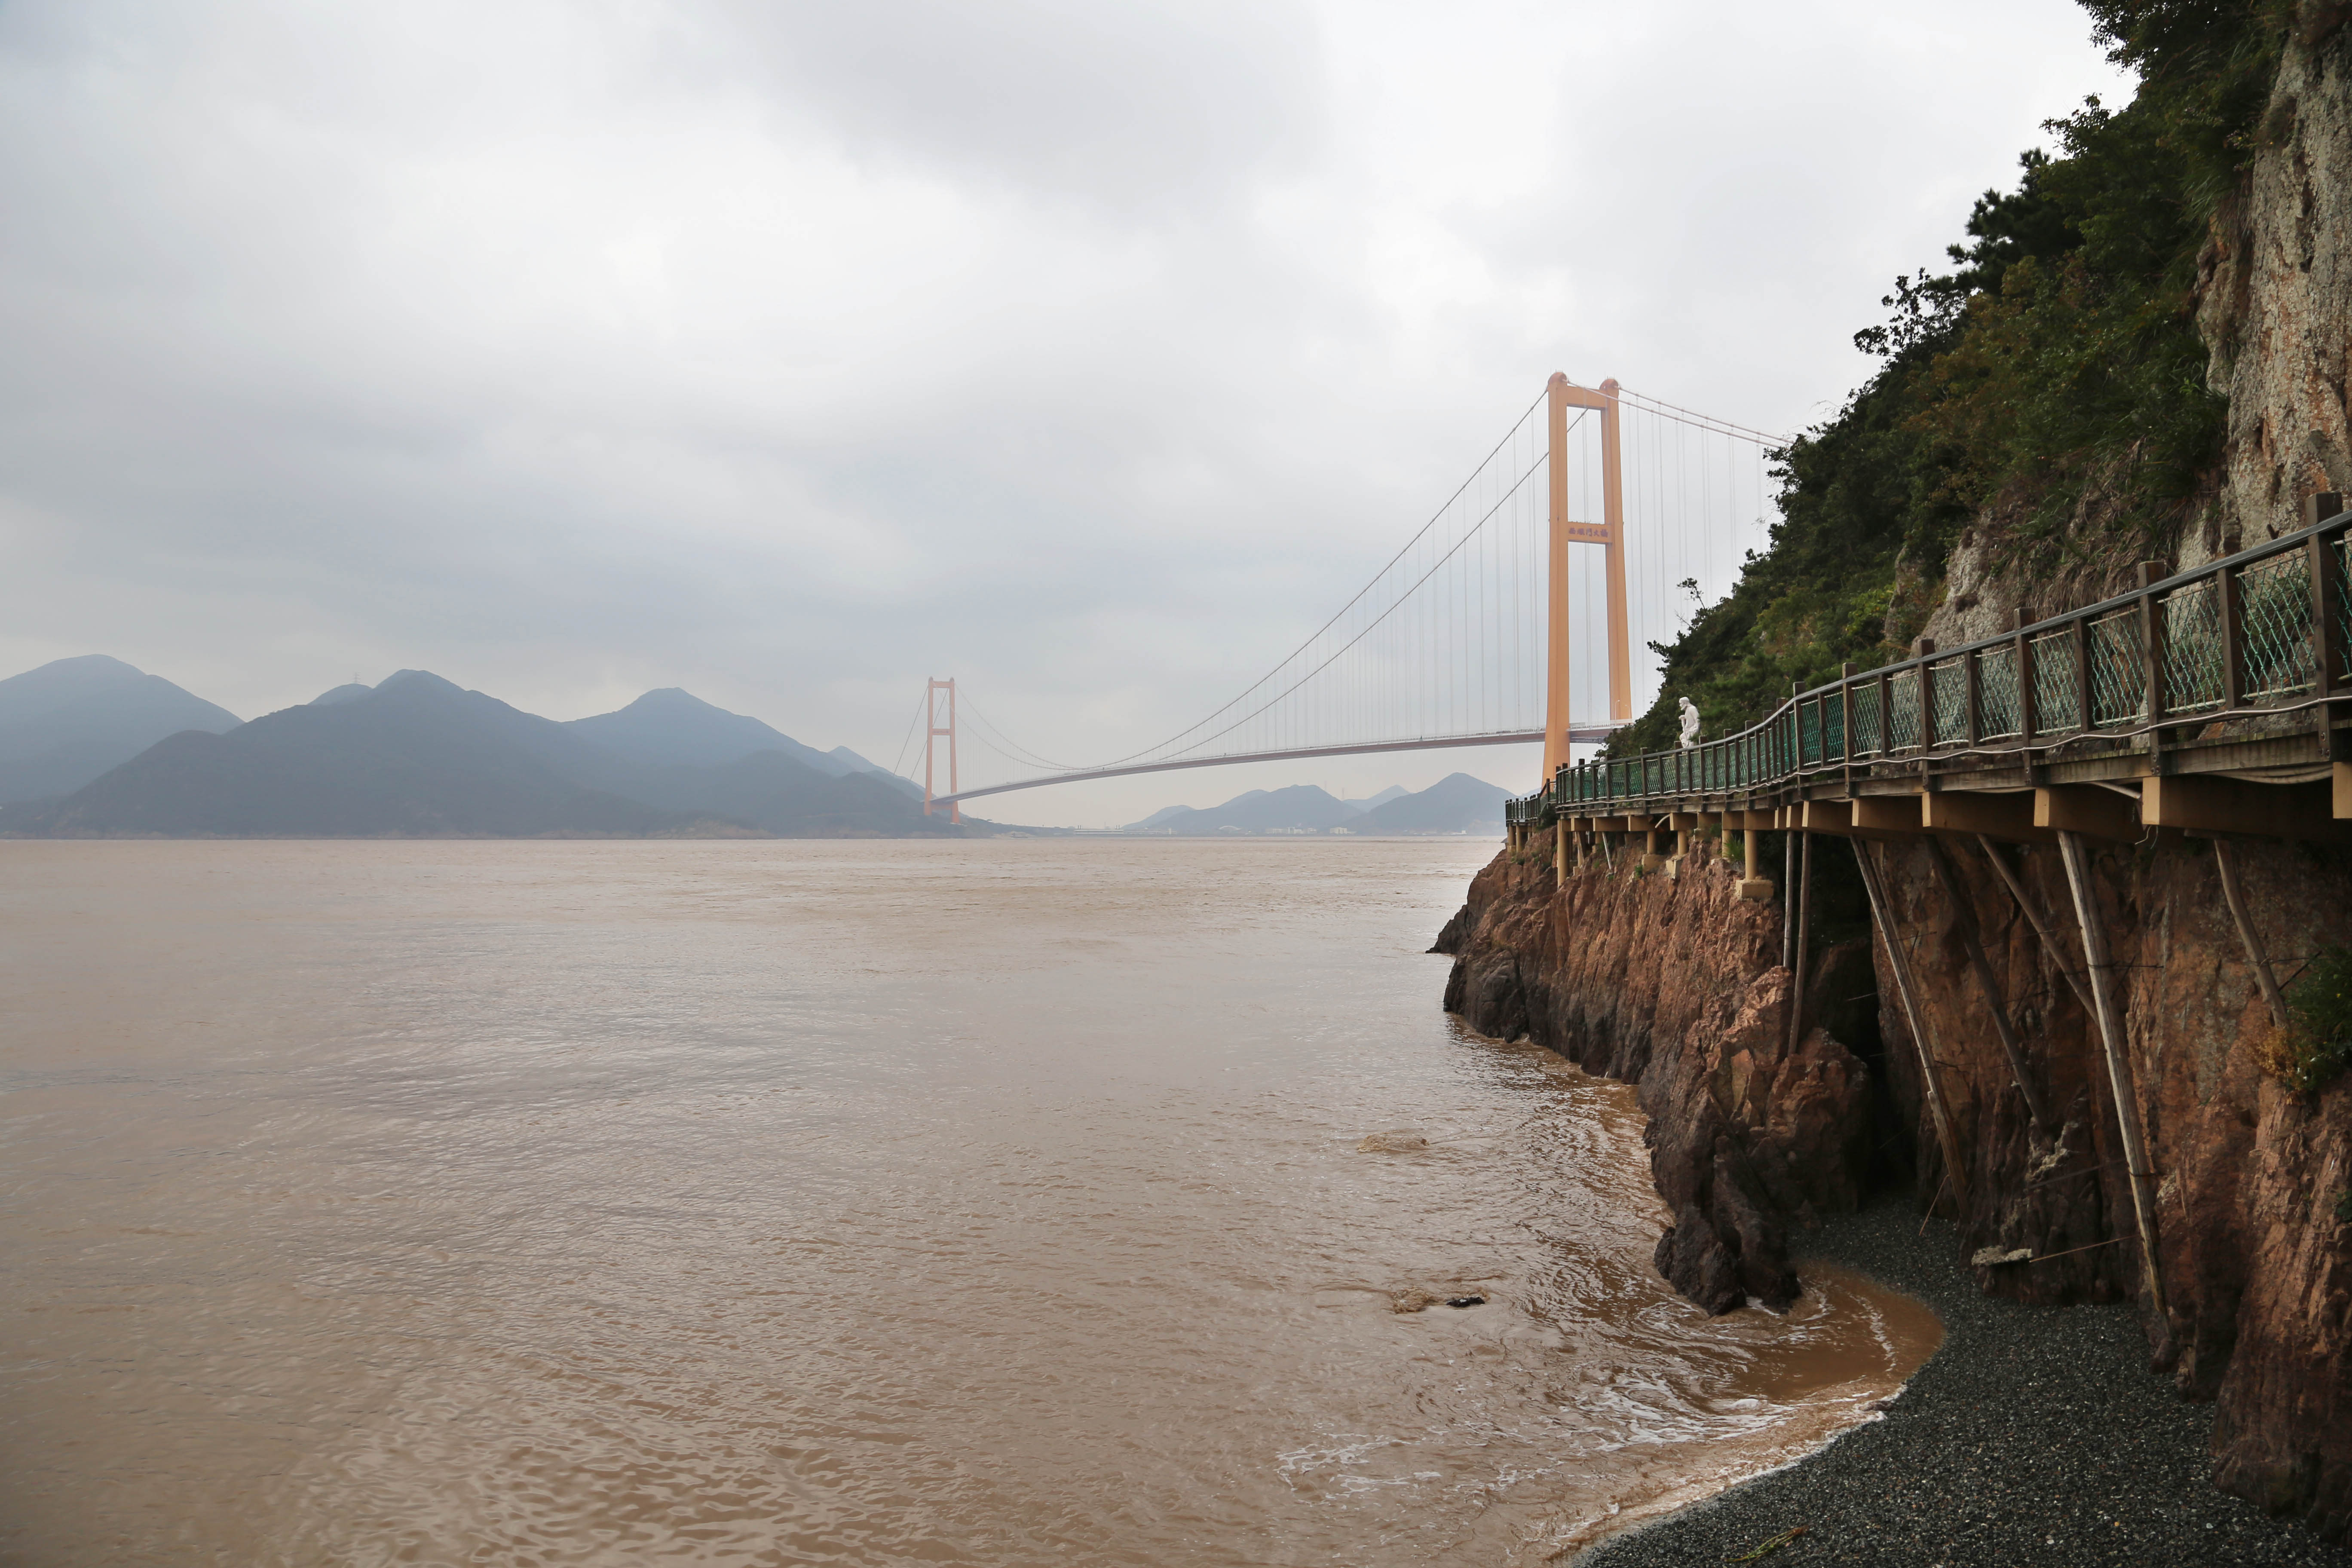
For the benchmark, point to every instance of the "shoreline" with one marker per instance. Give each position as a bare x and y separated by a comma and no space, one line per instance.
2032,1435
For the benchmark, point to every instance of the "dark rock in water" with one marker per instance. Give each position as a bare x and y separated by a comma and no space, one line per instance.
1450,939
1465,1300
1672,983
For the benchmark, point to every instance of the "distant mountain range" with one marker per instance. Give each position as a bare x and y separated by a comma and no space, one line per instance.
64,724
674,727
91,747
1456,804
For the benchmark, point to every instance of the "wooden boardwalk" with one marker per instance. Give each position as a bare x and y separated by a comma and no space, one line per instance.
2217,699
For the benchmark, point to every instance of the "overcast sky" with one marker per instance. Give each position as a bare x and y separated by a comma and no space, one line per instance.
791,353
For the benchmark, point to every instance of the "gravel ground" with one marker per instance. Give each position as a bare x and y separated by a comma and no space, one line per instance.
2036,1434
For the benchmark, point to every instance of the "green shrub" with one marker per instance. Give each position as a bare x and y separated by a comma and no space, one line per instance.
2315,1046
2058,363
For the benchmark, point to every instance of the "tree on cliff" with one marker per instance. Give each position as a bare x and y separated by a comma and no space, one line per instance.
2050,387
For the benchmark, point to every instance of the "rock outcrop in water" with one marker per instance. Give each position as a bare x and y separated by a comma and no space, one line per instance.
1672,984
1675,985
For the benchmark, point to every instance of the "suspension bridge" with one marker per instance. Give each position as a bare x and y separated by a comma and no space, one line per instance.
1594,527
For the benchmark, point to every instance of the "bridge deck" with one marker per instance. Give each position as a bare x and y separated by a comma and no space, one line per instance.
1583,733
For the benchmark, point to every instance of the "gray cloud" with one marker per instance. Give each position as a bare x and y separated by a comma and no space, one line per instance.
1118,108
792,353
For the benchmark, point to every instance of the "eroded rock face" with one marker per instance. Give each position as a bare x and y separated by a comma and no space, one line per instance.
2274,297
1673,984
2257,1270
2275,309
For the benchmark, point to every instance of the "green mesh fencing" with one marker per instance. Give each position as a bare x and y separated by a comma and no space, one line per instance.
2194,658
2274,627
1950,683
1998,713
2057,697
1903,698
2118,670
1869,733
2342,555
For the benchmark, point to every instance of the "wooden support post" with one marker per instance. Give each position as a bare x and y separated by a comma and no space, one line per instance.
2041,923
2202,804
1652,855
2326,597
1982,813
2225,861
1964,919
1804,931
1848,818
2119,1074
1820,816
1845,716
2029,708
1923,650
1560,849
2155,702
2229,604
2086,711
1975,694
2088,809
1751,886
1882,915
1888,813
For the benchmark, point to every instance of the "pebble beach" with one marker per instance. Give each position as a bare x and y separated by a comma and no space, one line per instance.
2035,1434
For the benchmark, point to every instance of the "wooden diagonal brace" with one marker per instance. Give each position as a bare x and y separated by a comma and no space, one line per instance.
2119,1077
1964,919
1882,915
2225,861
2041,923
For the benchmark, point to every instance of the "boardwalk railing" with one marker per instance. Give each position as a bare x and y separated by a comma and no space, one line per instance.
2265,631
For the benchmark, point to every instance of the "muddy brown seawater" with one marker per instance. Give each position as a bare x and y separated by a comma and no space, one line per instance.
857,1203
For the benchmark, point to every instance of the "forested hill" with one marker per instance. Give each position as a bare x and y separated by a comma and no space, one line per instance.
2044,403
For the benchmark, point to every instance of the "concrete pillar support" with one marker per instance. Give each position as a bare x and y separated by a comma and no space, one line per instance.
1751,886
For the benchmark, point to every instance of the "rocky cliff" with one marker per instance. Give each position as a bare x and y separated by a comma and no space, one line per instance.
2273,303
1675,986
2275,293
